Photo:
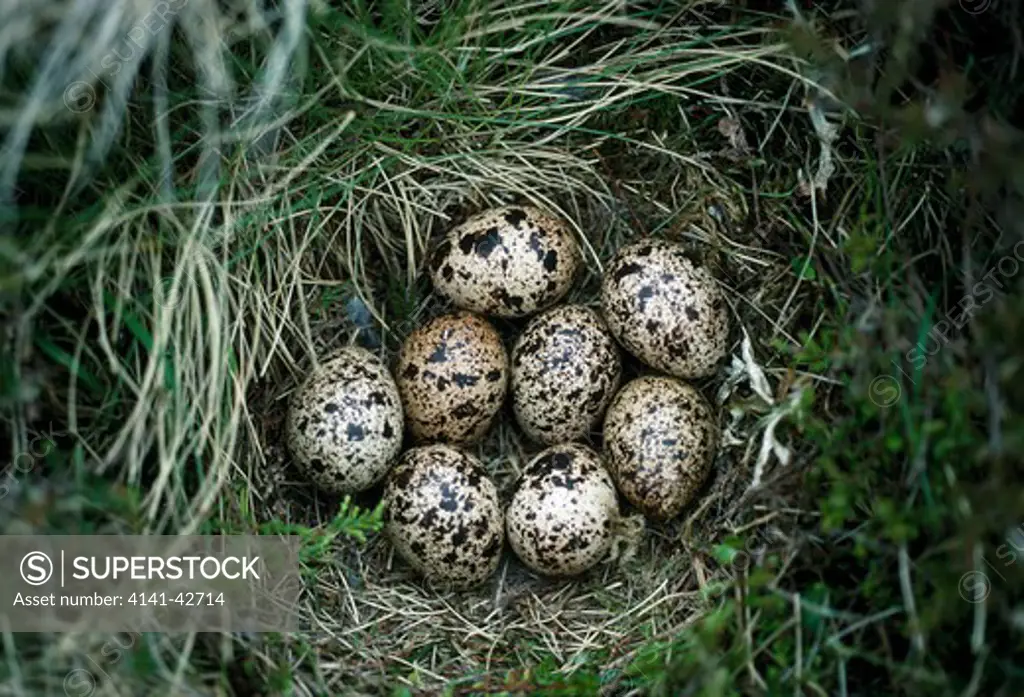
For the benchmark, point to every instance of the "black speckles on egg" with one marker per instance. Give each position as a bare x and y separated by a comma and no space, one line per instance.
449,501
487,243
536,246
509,262
562,514
464,380
551,260
452,377
400,478
440,352
514,216
376,398
660,437
466,410
493,547
624,270
565,369
665,310
427,519
512,304
559,460
443,515
566,482
440,255
338,419
643,295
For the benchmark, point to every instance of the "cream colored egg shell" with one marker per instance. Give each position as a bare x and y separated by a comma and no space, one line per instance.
665,310
509,262
660,437
443,516
565,370
561,518
345,422
452,374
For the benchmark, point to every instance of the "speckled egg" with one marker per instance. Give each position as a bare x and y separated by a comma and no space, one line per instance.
664,309
508,262
442,515
452,374
659,442
345,422
565,369
562,516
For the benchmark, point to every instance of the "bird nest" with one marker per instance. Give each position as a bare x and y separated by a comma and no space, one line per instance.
369,615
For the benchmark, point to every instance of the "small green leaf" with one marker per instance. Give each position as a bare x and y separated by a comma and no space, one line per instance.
804,269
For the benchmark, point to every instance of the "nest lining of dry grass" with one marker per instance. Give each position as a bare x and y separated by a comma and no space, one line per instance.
373,615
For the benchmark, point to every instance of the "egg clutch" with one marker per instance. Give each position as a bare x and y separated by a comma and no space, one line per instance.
563,375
